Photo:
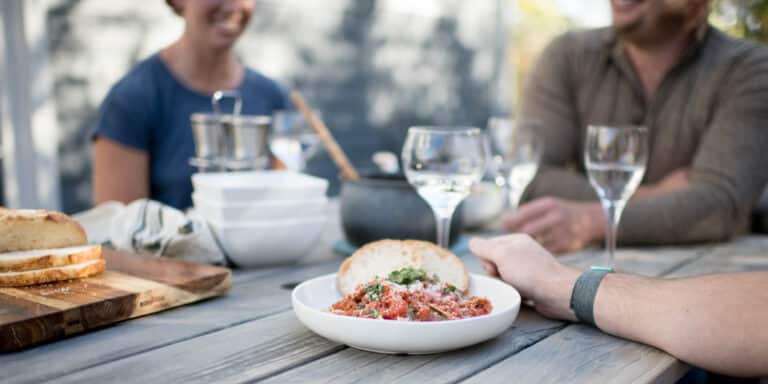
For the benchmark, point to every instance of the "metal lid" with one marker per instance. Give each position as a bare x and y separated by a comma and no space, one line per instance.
251,120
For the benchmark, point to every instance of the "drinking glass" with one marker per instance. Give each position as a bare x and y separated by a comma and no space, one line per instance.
516,154
615,158
442,164
292,140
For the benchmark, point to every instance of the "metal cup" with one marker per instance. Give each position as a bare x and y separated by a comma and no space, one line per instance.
209,141
249,142
229,141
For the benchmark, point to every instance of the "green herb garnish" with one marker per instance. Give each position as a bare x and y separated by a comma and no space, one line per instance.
374,291
449,289
406,276
372,312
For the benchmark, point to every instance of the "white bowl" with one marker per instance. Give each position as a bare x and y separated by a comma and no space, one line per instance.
270,242
231,212
258,185
312,298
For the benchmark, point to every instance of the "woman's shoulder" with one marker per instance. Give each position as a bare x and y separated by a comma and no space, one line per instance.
141,80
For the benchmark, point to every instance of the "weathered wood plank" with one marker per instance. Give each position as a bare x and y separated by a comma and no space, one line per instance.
581,354
744,254
654,261
351,365
258,294
530,328
246,301
248,351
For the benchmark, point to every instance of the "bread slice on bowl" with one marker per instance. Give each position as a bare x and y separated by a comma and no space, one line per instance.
47,258
444,264
379,258
23,230
47,275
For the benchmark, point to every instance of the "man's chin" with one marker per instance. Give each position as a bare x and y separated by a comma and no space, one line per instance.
628,31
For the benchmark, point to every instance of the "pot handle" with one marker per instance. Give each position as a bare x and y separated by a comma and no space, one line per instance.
227,93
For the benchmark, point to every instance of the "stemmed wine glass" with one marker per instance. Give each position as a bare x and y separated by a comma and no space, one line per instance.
517,152
292,140
442,164
615,159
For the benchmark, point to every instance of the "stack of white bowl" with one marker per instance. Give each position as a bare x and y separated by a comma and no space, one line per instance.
263,217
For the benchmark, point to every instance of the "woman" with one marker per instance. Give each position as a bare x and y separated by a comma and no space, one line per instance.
143,139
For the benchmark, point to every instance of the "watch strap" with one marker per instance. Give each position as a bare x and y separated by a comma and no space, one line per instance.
584,292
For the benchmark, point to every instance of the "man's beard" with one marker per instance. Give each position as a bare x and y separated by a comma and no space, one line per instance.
654,28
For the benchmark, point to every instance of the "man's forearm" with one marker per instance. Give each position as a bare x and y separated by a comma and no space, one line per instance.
688,215
717,322
696,214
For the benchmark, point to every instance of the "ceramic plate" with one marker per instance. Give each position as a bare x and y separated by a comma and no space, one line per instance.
312,298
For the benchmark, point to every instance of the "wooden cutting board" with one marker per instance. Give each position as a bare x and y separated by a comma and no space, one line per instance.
131,286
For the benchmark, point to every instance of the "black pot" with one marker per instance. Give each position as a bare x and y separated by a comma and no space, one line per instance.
382,206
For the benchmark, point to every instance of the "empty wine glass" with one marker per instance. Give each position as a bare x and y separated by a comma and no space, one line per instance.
516,154
442,164
615,158
293,141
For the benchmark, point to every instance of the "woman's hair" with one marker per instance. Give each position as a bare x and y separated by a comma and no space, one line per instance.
176,9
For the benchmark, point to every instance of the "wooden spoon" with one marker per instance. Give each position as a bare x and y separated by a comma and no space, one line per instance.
331,145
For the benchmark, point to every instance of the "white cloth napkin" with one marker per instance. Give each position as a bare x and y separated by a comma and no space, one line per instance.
151,227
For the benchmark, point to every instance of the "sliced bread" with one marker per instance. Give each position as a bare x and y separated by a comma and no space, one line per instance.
47,258
381,257
23,230
47,275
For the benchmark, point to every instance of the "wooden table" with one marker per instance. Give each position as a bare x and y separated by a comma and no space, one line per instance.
253,335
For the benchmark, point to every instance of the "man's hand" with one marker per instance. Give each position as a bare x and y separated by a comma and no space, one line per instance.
559,225
533,271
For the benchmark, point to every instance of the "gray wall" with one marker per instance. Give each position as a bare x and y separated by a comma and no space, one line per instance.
374,67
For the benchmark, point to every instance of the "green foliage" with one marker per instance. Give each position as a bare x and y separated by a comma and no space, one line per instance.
742,18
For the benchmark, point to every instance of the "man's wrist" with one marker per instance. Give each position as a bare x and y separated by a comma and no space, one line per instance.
553,293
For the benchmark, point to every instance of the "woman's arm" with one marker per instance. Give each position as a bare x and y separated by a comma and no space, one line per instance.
120,172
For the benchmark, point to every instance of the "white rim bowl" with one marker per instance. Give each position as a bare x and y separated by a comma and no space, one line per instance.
312,298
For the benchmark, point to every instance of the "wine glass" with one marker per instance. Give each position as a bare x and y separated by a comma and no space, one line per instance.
517,152
292,140
442,164
615,158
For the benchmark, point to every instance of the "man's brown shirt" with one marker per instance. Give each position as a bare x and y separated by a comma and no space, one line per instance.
710,113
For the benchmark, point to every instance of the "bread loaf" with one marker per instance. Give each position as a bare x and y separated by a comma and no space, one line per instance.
379,258
22,230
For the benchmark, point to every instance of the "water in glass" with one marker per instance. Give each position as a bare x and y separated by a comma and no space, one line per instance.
615,159
442,164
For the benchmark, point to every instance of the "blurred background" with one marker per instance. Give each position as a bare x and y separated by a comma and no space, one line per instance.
373,67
